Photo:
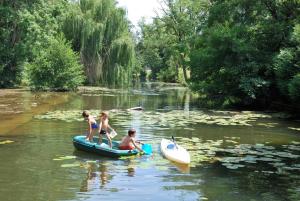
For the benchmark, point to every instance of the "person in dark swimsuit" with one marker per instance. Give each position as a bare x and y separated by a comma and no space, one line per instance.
102,132
104,128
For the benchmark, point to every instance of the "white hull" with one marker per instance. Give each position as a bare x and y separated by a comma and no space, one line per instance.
174,153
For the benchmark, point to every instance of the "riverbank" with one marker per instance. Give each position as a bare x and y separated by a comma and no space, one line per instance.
18,106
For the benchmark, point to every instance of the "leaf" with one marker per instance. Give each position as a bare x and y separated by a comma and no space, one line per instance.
70,165
6,142
64,158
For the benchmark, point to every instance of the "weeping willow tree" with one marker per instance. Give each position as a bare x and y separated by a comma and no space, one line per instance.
100,32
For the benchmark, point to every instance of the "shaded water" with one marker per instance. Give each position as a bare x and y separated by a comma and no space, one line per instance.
34,166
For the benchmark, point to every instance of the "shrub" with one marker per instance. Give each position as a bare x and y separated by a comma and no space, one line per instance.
294,88
56,68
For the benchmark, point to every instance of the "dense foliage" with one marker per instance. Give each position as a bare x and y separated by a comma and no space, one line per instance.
232,52
239,52
166,43
57,67
27,27
11,50
98,31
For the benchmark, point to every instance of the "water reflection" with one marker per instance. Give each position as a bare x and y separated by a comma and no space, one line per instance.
155,178
90,178
104,176
18,106
184,168
131,166
97,176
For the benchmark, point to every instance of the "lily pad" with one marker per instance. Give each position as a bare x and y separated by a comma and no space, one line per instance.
294,147
169,119
293,128
291,168
232,166
230,160
231,141
266,159
249,159
70,165
6,142
64,158
278,164
268,125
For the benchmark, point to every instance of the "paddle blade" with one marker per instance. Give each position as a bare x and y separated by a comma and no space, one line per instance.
147,149
174,142
113,134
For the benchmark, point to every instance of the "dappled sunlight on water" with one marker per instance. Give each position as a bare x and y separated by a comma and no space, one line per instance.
234,155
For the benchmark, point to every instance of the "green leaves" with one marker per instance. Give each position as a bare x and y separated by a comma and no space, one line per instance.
247,53
294,88
6,142
99,31
287,68
61,158
57,68
170,37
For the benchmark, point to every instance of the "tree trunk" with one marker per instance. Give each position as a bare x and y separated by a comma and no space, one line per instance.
184,73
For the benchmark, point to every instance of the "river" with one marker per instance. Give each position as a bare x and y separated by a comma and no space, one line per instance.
236,155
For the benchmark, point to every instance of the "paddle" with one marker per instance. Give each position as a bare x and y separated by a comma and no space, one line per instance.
174,142
147,149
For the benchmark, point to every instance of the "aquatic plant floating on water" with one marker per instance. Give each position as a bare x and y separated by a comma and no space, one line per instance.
293,128
232,166
64,158
71,165
238,156
6,142
169,119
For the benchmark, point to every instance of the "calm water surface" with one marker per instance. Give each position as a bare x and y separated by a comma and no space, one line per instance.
30,169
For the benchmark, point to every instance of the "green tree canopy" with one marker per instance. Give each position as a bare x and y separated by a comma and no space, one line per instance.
56,68
100,32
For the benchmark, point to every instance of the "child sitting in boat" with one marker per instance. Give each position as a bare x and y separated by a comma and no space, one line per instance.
92,125
129,143
104,128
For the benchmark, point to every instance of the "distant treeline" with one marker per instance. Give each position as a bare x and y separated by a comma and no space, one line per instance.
233,52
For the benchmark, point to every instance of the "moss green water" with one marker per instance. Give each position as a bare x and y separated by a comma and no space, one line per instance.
235,155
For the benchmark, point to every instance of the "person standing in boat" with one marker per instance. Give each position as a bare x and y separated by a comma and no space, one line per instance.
129,142
104,128
92,125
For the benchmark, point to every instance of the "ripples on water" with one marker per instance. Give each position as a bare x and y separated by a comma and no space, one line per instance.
242,162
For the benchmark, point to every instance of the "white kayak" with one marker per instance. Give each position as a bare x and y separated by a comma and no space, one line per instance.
174,152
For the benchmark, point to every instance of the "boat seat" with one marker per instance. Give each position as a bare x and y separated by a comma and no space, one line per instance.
170,146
